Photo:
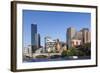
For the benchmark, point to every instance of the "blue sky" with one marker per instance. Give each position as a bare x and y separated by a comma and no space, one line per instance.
53,24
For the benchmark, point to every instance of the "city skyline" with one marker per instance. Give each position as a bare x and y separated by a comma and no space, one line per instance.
48,21
75,38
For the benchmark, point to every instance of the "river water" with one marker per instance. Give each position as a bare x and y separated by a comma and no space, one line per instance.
56,59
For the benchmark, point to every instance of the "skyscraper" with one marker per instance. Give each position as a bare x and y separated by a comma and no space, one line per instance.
33,38
71,32
86,35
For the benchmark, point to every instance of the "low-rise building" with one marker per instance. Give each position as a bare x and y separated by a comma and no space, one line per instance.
75,42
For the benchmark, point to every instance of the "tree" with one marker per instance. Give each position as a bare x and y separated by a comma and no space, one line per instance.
85,49
64,53
72,52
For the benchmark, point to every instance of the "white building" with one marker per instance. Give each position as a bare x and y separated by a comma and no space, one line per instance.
49,44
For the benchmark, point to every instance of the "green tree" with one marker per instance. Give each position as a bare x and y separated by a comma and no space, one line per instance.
72,51
85,49
64,53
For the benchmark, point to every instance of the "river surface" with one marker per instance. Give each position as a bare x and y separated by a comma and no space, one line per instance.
56,59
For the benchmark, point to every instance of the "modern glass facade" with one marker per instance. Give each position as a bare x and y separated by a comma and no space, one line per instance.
33,38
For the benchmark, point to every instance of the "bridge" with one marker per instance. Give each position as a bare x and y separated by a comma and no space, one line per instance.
45,54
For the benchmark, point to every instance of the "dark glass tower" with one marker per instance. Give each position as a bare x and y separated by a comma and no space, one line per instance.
33,38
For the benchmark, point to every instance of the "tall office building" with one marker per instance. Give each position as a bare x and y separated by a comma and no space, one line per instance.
86,35
71,32
33,36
